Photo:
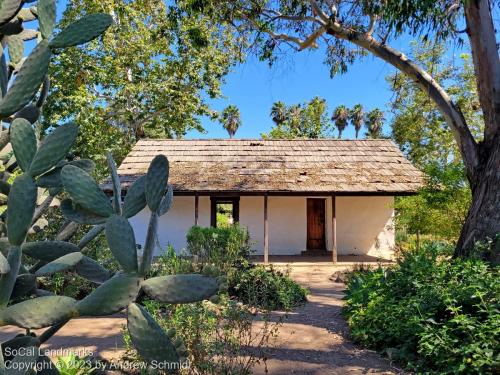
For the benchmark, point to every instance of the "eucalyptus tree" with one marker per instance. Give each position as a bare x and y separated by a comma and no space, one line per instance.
231,120
348,30
374,122
357,117
341,117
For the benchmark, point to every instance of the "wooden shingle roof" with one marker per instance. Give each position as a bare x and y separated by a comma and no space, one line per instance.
274,166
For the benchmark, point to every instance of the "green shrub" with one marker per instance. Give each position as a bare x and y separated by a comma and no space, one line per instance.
265,287
429,312
219,337
170,263
223,247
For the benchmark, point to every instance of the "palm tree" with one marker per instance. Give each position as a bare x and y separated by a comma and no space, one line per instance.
374,121
357,117
279,113
230,120
294,115
340,116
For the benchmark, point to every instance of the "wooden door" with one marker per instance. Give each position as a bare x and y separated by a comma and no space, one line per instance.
316,224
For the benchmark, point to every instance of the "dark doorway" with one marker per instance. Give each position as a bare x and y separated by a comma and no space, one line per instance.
316,224
224,211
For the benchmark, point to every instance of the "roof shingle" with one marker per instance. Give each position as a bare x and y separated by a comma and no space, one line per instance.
293,166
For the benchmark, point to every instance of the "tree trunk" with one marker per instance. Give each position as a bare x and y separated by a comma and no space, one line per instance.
483,218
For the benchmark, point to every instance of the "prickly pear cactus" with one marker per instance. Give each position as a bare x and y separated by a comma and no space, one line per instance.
42,165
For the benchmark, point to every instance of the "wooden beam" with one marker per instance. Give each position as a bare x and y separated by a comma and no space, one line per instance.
196,208
266,232
334,228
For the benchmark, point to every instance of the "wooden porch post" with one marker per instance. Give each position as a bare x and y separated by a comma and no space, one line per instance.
196,205
334,228
266,232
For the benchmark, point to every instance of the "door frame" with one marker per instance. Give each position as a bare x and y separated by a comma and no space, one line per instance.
324,248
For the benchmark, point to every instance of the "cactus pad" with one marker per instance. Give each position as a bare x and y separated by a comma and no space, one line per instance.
78,214
156,181
21,207
23,140
166,202
54,148
112,296
85,191
121,241
46,10
92,271
48,251
8,9
28,80
16,48
39,312
135,200
117,189
84,30
25,285
52,179
60,264
8,280
152,343
180,288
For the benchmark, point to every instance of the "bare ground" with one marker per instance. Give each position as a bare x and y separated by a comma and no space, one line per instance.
313,339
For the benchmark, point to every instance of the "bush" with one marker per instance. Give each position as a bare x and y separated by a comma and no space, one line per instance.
429,312
171,264
219,337
265,288
256,286
223,247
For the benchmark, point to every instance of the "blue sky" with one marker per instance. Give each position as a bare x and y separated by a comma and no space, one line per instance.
254,87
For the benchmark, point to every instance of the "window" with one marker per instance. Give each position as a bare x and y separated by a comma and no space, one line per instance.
225,211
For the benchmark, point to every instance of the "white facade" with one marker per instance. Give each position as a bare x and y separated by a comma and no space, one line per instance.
364,223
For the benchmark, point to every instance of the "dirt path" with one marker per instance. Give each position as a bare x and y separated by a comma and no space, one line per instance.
314,337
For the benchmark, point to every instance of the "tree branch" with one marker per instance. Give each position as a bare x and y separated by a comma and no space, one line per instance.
452,114
318,12
311,39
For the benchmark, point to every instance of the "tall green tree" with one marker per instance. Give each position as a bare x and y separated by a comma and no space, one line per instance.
374,122
231,120
357,118
348,30
341,118
149,76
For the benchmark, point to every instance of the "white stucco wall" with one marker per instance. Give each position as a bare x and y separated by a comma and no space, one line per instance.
364,224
